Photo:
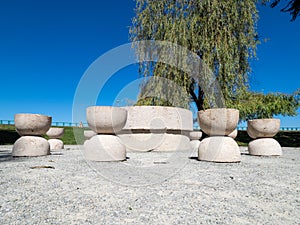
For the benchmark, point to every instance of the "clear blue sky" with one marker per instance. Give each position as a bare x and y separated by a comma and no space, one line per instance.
46,46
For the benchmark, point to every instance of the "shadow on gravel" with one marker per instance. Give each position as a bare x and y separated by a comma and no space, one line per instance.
245,153
56,153
5,156
194,158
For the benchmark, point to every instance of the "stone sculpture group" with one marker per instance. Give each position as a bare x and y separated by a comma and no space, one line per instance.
157,128
115,131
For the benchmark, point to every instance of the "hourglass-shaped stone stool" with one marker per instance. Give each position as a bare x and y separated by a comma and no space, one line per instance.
31,127
54,134
219,123
263,131
106,121
195,139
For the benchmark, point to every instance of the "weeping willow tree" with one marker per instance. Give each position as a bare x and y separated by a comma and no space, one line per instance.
221,33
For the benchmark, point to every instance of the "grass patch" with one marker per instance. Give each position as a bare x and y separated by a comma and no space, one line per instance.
71,133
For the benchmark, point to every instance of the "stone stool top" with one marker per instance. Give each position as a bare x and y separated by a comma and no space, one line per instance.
218,121
259,128
106,119
55,132
32,124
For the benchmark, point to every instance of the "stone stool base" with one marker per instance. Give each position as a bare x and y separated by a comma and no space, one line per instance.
164,142
219,149
104,148
31,146
88,134
56,144
195,144
264,147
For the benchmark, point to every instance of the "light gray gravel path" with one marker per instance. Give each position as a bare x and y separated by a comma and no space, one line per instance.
259,190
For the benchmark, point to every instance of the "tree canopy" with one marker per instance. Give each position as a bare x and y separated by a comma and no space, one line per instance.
258,105
222,34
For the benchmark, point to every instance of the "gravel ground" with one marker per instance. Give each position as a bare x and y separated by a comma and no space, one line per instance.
149,188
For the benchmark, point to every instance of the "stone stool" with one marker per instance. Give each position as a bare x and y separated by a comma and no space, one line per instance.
54,134
195,139
218,124
263,131
105,121
31,127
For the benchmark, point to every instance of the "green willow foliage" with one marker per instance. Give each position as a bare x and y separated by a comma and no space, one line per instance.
257,105
223,34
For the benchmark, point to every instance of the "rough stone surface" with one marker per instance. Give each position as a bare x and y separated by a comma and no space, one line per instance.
106,119
56,144
259,190
219,149
158,118
260,128
32,124
219,121
88,134
195,144
55,132
155,142
195,135
264,147
31,146
104,148
233,134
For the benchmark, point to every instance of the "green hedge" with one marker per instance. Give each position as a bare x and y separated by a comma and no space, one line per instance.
8,136
285,138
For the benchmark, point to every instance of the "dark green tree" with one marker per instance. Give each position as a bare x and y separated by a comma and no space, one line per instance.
258,105
292,7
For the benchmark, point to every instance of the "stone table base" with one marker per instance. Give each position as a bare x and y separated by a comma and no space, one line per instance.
143,142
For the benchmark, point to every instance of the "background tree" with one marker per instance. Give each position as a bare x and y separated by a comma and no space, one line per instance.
222,33
258,105
292,7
